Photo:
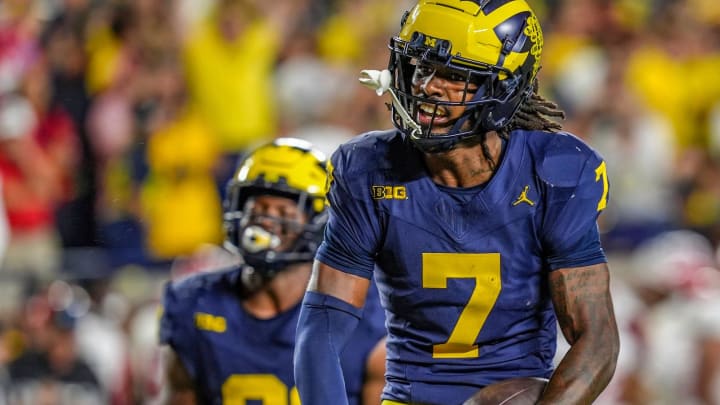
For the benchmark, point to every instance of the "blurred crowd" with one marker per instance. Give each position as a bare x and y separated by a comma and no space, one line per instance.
121,122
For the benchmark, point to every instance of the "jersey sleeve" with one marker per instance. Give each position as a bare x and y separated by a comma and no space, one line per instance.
577,192
353,228
177,329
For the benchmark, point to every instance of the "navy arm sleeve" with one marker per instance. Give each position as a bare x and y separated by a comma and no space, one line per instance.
324,327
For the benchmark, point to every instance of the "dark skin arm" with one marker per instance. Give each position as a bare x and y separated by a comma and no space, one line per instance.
584,310
331,281
374,375
181,387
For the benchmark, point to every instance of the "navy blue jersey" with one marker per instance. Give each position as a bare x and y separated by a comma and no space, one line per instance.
463,279
234,357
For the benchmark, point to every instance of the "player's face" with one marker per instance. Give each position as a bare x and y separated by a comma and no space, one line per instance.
278,215
440,85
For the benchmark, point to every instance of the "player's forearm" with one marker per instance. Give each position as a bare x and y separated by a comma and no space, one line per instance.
584,309
584,372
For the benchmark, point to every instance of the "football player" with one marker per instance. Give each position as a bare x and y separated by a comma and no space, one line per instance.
477,216
231,333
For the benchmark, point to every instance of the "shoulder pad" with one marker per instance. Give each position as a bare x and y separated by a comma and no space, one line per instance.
365,152
562,158
181,297
188,289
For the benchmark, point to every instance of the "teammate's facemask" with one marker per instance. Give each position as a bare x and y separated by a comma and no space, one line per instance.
288,168
489,47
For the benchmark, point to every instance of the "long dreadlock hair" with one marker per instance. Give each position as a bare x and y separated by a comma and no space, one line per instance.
535,113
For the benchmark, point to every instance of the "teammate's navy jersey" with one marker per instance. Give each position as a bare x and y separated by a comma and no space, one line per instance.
234,357
462,273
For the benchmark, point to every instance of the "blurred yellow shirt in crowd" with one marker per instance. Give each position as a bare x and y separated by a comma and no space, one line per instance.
231,84
180,201
105,60
682,89
348,36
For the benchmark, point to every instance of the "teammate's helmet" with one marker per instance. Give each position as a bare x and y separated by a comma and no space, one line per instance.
493,44
286,167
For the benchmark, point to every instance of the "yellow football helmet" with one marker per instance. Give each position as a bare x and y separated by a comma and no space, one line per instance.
492,44
286,167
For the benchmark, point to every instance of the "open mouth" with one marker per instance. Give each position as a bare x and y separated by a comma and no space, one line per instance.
430,114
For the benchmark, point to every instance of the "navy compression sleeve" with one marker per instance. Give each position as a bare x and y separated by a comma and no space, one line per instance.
325,325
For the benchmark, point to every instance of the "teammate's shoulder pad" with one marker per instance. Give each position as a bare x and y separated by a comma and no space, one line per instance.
561,158
187,289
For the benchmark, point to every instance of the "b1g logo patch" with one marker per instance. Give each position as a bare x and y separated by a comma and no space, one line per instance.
210,322
389,192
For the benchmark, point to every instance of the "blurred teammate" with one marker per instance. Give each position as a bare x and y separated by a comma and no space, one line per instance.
232,333
477,216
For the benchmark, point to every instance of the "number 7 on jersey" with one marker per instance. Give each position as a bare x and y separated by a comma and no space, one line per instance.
484,268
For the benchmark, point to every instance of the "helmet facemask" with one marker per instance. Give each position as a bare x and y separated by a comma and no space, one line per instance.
269,244
490,48
485,88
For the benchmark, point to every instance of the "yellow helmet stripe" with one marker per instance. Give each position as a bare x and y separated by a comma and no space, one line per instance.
505,11
495,18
